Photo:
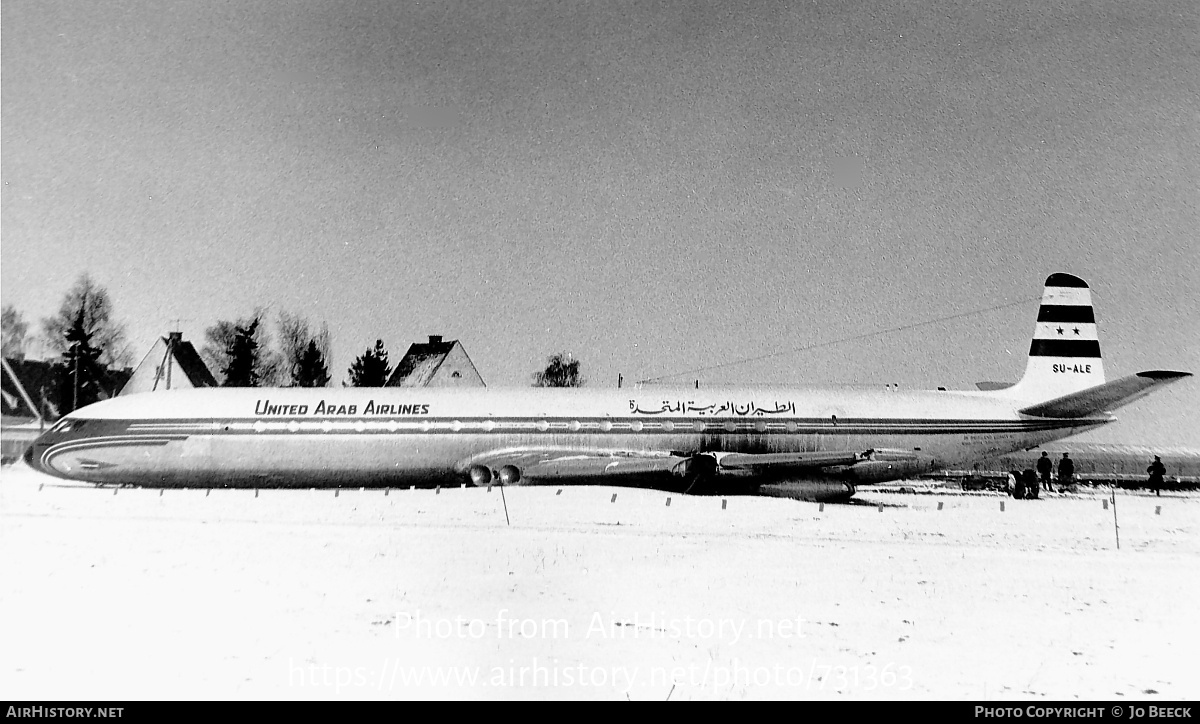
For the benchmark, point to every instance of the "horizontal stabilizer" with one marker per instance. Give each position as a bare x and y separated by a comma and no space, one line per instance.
1103,398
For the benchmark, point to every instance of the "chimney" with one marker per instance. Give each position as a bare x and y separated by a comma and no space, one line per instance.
435,339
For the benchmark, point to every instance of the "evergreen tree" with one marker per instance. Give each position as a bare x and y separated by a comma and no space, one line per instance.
295,333
310,368
242,368
80,376
561,371
219,342
371,368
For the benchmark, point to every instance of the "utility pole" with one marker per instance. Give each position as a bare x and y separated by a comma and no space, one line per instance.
75,384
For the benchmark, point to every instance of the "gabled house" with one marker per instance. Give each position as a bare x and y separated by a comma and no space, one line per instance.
170,364
435,364
28,395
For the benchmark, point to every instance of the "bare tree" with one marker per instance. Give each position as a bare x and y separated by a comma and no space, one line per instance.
295,338
87,304
15,329
562,370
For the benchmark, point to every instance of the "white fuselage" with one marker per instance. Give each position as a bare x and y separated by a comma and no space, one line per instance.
424,436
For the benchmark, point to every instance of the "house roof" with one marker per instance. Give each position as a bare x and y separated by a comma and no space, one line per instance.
42,381
192,366
421,362
151,370
38,380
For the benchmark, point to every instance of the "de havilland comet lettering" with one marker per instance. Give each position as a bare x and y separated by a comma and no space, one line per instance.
814,444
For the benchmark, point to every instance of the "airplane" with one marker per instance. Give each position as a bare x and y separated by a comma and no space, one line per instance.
803,443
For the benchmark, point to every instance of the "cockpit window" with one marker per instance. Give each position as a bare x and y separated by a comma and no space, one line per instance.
69,424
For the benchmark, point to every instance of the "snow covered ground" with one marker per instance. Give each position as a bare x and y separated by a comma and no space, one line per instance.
137,594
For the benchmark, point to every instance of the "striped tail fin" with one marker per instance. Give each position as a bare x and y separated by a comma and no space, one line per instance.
1064,356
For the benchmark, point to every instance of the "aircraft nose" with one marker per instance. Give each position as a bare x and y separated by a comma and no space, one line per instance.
33,456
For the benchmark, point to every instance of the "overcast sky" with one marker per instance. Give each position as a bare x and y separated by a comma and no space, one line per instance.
653,186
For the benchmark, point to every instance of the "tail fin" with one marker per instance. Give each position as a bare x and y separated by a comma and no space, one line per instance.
1065,354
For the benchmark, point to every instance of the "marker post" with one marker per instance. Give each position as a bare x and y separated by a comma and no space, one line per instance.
1112,492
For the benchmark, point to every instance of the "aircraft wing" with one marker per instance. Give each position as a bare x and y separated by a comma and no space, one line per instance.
552,463
549,464
765,461
1102,398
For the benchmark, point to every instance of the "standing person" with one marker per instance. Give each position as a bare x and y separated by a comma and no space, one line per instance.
1157,470
1066,471
1045,466
1031,484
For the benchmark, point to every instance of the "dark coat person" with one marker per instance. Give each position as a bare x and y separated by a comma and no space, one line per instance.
1045,467
1156,470
1066,471
1031,483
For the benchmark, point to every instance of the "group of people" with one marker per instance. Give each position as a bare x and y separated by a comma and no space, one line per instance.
1066,471
1026,484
